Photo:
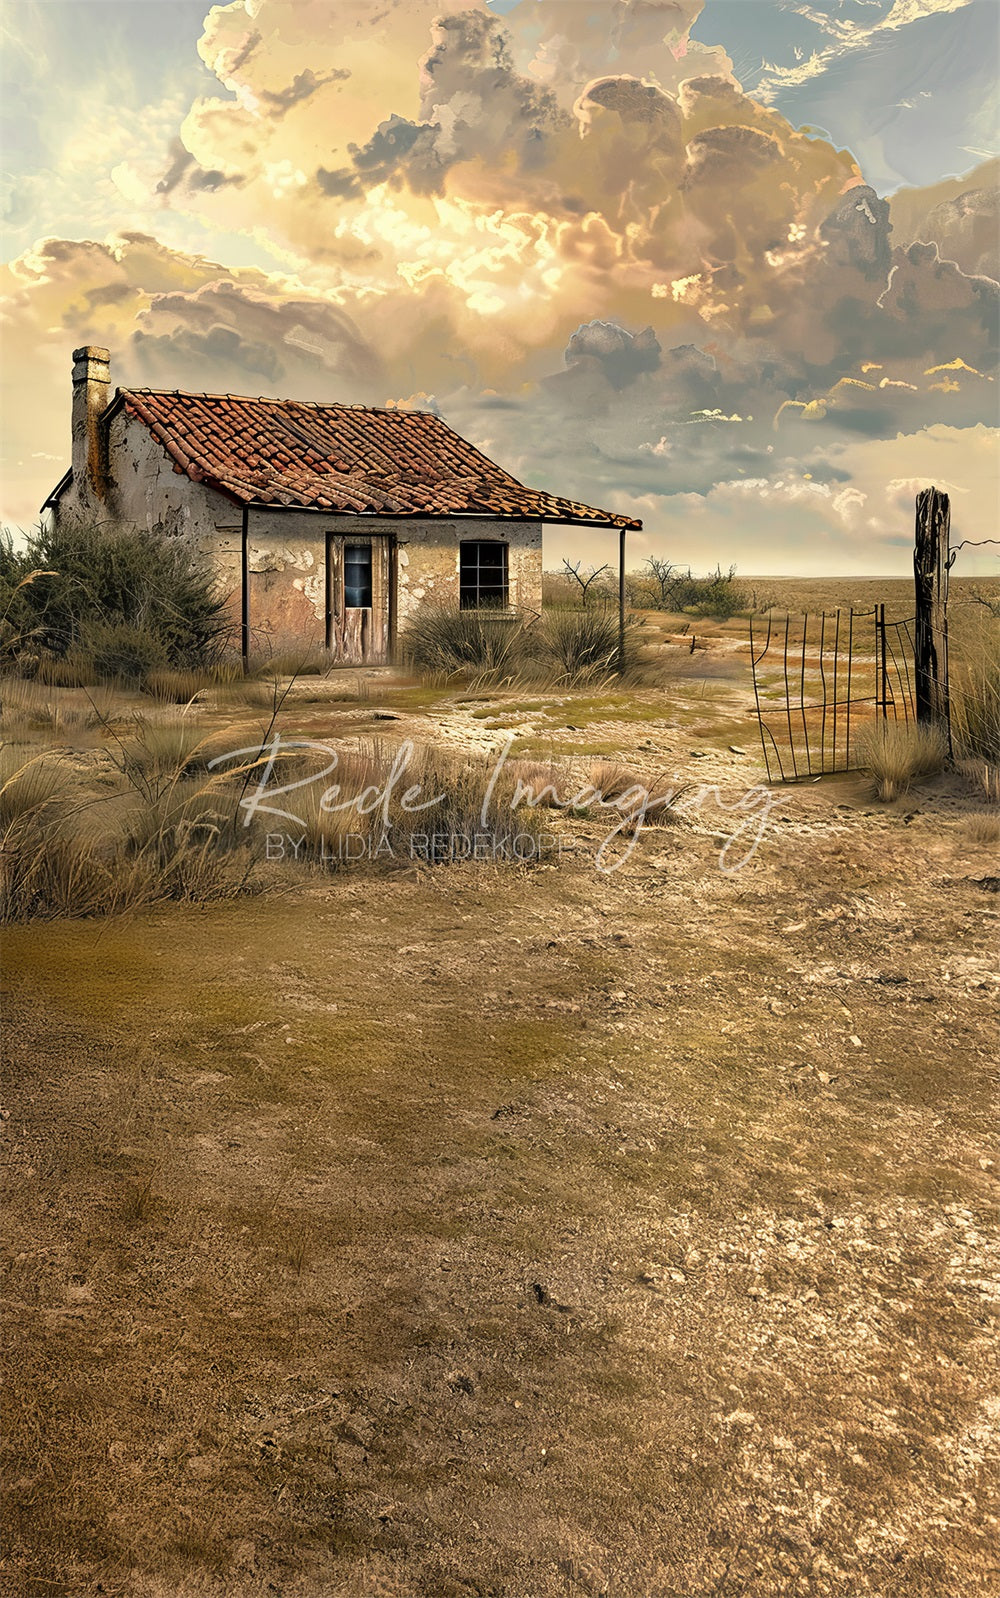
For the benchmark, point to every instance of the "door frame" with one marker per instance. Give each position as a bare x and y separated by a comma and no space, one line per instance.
360,637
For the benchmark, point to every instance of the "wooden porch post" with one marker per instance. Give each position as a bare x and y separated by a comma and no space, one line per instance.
621,602
245,591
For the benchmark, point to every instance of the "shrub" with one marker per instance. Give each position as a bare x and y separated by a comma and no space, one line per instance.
662,586
440,639
71,580
563,646
899,753
580,646
121,651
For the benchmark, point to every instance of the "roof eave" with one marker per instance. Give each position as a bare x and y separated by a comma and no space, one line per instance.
610,522
59,489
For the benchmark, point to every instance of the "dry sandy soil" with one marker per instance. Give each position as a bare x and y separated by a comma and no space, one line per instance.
502,1232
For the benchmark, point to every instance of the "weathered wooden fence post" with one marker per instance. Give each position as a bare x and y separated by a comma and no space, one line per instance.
930,575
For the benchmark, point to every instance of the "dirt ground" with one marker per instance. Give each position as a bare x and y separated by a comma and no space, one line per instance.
520,1232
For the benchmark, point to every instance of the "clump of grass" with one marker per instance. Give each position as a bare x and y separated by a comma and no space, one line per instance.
983,827
975,696
440,639
984,777
575,648
174,830
653,803
611,779
545,779
389,805
899,753
167,749
30,785
581,647
662,807
178,686
74,670
309,662
69,852
50,869
32,706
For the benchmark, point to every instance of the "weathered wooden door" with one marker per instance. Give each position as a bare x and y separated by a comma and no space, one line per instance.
358,598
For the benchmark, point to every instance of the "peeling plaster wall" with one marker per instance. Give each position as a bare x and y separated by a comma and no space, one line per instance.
428,560
287,550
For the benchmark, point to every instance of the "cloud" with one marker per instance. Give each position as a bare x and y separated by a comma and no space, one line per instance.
622,275
850,37
620,355
566,44
169,320
962,217
912,101
226,332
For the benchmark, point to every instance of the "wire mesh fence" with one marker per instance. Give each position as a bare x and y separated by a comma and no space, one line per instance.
819,679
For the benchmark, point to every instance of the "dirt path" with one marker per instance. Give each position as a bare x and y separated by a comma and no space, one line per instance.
517,1233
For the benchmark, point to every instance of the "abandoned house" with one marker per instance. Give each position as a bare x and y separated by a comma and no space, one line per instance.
328,524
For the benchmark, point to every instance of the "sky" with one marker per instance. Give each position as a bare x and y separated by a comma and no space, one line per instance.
726,265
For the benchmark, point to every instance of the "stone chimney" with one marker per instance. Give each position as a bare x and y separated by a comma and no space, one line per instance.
91,390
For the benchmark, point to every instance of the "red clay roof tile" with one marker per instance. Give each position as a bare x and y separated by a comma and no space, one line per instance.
402,463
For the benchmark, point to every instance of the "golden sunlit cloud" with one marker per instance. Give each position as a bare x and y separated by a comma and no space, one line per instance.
568,228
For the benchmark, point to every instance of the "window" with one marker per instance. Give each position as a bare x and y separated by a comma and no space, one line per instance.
357,576
482,575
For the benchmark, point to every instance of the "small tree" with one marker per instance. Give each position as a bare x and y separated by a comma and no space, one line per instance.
585,582
664,579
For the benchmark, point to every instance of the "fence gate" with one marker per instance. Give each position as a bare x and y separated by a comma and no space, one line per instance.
819,679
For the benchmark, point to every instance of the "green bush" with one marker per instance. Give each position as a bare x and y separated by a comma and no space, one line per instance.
662,586
108,584
122,651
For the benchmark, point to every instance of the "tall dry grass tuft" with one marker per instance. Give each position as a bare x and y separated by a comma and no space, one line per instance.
30,784
983,827
568,648
581,648
185,819
449,642
975,703
29,706
386,804
898,754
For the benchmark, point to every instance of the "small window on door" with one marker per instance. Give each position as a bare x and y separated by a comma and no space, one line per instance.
482,575
357,576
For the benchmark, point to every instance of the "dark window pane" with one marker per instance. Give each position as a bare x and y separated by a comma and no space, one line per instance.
482,574
357,576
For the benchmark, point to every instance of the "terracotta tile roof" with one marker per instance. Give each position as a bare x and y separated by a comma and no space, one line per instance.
346,458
